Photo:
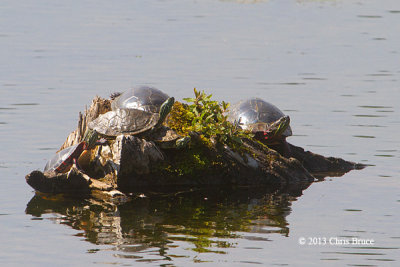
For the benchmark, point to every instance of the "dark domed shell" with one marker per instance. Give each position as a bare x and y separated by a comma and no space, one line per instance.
256,110
128,121
144,98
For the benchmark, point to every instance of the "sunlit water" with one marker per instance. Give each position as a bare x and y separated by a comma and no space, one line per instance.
333,66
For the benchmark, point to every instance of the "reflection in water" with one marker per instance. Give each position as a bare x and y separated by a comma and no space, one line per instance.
368,116
206,221
25,104
370,106
369,16
364,136
245,1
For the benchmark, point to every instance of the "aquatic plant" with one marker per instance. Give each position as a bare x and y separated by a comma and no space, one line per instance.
208,120
206,117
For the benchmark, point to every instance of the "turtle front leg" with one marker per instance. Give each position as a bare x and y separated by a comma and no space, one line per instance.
75,161
282,147
286,149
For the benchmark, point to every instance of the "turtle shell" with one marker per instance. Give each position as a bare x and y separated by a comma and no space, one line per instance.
255,111
143,98
63,160
124,121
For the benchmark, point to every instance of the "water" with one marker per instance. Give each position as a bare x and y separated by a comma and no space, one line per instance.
333,66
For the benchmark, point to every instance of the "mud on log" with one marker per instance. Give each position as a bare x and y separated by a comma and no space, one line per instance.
130,162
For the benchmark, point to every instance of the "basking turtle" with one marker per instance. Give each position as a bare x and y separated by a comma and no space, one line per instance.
143,98
137,121
63,160
165,137
267,122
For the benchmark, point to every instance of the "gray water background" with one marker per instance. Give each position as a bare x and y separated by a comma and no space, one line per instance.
333,66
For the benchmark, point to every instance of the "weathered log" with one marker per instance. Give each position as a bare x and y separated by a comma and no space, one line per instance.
99,106
322,166
74,182
128,162
259,166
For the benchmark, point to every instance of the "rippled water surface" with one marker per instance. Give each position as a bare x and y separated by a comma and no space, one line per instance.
333,66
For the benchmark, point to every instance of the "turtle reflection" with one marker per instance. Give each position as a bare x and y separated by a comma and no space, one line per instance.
207,221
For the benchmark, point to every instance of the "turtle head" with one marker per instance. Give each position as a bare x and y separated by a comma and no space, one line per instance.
90,138
165,108
277,128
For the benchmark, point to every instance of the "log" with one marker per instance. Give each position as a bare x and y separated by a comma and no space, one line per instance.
73,183
321,166
99,106
128,162
222,167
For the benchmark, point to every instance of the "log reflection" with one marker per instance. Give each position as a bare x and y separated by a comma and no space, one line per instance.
205,220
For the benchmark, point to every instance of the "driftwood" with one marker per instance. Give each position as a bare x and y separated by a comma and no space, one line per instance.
131,162
321,166
74,183
99,106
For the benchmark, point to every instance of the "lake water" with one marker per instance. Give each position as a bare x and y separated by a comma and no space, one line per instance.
333,66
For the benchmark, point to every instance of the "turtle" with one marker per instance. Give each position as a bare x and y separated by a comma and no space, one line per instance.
64,159
267,122
144,98
134,121
166,138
